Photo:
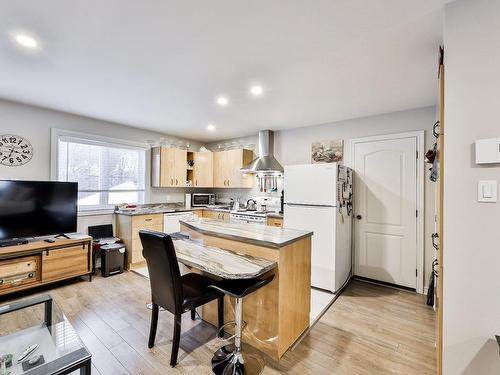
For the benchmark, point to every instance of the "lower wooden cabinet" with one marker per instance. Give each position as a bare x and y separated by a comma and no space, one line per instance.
218,215
127,229
66,262
275,221
38,262
19,272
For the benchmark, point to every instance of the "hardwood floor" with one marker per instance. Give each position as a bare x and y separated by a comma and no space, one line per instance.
369,330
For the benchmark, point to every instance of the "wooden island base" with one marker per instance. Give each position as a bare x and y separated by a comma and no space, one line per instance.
277,314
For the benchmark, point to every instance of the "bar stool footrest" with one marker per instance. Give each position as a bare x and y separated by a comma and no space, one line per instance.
226,339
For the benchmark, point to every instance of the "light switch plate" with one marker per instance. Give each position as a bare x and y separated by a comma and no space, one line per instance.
487,191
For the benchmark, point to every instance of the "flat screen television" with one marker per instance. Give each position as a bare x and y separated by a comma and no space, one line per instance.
37,208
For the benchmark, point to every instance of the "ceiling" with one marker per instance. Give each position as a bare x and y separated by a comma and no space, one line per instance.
160,64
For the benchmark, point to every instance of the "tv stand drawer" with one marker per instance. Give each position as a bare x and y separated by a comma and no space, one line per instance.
20,271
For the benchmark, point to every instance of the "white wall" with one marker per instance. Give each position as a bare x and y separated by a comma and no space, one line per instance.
291,147
34,123
471,229
294,147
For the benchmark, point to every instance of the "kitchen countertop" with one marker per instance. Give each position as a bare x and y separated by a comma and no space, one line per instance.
223,263
164,208
159,209
256,234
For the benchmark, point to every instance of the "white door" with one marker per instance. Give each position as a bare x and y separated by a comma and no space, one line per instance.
386,206
312,184
321,220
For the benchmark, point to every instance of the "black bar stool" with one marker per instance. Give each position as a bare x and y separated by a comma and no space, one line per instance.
230,360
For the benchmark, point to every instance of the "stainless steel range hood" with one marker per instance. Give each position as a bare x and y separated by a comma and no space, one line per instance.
265,163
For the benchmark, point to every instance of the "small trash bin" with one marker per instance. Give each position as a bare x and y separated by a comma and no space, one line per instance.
112,259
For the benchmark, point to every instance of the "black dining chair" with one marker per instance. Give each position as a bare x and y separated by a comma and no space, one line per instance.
171,291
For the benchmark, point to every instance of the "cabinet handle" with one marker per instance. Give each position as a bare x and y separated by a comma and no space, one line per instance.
195,182
176,182
148,219
171,181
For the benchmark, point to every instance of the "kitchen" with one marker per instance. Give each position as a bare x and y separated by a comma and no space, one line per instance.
280,148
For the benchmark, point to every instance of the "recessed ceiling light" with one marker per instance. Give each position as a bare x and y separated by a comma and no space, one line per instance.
222,101
211,127
256,90
26,41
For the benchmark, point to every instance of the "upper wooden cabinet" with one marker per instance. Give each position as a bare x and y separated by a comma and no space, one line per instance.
168,167
203,169
227,165
211,169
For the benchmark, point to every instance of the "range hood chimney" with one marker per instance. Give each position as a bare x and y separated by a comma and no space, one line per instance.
265,163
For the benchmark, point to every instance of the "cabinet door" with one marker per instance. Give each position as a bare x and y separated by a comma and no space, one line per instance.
180,167
274,222
71,261
152,222
211,214
219,174
203,169
236,159
19,271
233,165
167,167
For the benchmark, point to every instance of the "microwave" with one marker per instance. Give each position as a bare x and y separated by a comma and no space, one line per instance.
202,199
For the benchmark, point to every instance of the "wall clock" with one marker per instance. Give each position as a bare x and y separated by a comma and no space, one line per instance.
14,150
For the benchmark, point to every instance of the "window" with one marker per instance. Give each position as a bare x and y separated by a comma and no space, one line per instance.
107,173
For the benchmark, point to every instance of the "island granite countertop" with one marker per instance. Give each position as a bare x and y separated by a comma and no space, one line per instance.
256,234
223,263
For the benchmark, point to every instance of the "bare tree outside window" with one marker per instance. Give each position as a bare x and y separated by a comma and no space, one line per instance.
106,175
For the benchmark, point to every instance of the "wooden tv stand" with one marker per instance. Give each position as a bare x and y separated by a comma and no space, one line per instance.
38,263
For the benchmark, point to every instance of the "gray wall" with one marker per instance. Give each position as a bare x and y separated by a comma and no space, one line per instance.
294,147
34,123
291,147
471,229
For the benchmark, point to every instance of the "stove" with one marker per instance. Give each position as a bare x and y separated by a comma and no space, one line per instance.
258,217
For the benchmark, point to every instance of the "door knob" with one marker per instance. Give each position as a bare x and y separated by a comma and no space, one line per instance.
359,217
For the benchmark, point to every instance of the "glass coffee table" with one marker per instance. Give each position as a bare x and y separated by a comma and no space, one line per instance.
40,321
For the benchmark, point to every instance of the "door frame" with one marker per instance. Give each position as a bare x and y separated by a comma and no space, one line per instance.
419,137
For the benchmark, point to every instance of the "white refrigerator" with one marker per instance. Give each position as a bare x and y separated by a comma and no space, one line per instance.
318,198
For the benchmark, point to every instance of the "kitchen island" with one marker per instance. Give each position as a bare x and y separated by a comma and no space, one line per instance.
278,313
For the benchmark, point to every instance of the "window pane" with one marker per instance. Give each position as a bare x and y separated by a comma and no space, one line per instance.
125,197
62,171
124,170
88,199
102,172
85,166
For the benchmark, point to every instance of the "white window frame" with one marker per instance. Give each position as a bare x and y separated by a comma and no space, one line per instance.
56,134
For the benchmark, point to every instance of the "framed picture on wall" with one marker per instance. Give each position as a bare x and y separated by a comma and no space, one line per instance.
327,151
